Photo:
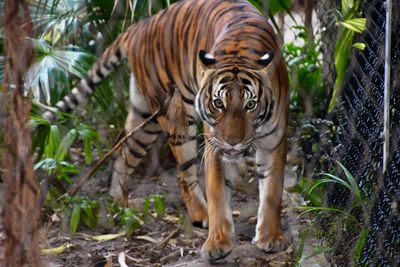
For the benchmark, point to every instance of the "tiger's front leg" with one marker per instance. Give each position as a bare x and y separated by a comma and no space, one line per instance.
218,190
270,168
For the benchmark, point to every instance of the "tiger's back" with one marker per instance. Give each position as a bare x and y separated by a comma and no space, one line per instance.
163,50
218,61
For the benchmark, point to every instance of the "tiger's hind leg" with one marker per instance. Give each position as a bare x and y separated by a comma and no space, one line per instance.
270,170
136,147
184,150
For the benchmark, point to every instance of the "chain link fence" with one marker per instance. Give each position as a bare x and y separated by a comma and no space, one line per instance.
353,136
358,141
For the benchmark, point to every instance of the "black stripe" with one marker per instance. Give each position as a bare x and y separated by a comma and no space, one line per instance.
114,64
73,99
151,132
225,80
142,114
99,73
268,133
177,141
90,82
82,90
187,100
228,183
258,176
67,109
118,54
135,153
183,167
193,184
141,144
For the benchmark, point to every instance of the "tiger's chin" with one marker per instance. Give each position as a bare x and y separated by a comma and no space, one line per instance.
232,155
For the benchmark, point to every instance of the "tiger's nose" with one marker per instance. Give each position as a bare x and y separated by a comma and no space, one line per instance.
233,135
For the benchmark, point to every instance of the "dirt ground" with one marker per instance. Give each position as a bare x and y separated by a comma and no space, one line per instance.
169,242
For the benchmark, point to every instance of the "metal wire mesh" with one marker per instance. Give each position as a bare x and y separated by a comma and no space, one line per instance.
359,144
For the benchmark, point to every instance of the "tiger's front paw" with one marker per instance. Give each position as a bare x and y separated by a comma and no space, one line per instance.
216,249
272,243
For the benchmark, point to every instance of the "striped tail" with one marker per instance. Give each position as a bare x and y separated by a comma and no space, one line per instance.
111,58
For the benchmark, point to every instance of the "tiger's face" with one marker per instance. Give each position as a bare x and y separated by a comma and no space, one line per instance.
235,104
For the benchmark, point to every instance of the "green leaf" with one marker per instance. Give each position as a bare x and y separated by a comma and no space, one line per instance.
159,203
66,143
87,149
360,46
131,226
50,75
357,25
341,55
52,141
347,5
89,216
359,246
146,206
353,184
75,217
274,6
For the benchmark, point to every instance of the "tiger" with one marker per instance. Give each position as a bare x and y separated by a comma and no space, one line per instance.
217,62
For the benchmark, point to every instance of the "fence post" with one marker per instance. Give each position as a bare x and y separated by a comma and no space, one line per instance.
386,102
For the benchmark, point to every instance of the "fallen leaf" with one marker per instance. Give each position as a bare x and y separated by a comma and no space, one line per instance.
103,238
56,250
147,238
121,259
170,218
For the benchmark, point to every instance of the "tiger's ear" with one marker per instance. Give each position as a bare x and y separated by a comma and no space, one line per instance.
207,59
266,59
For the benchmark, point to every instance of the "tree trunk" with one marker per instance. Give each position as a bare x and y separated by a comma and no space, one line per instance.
21,211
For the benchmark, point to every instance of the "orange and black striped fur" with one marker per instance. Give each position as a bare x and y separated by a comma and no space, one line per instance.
217,61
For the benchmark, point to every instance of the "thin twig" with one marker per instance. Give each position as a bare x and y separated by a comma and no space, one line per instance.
170,256
166,240
85,178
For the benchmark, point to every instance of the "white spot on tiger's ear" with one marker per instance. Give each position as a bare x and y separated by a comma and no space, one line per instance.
209,56
207,59
265,57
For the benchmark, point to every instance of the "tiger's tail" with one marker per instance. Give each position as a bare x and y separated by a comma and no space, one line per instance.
111,58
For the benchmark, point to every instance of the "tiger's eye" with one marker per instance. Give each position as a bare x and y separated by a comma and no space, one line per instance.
218,103
251,104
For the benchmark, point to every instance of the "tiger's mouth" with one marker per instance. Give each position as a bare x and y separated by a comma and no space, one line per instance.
232,153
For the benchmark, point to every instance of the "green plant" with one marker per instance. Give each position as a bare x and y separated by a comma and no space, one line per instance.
305,73
350,23
299,256
349,182
132,219
359,246
52,149
84,210
347,221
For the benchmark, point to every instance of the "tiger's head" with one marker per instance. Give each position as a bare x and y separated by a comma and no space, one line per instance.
235,101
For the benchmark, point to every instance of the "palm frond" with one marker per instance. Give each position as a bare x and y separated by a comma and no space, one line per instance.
50,76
